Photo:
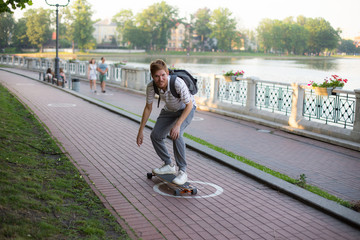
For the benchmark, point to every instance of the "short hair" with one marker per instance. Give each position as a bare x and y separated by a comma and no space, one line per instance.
102,58
158,65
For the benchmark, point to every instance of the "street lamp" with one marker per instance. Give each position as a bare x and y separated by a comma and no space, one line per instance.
57,71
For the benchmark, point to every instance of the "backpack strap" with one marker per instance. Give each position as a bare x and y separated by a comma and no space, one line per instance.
172,86
156,89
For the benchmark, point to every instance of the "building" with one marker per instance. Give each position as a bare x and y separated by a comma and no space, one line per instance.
105,34
179,36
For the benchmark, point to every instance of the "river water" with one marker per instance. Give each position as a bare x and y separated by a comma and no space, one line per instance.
286,70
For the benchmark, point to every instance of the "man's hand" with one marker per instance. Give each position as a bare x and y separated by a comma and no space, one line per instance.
175,132
140,138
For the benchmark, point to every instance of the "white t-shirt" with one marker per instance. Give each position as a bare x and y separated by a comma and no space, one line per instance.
172,103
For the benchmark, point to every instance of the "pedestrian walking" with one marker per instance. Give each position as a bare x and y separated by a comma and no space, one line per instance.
102,68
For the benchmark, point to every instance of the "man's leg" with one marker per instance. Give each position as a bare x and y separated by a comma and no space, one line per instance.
161,129
179,144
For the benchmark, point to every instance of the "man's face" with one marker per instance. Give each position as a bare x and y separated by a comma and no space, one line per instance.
161,79
103,60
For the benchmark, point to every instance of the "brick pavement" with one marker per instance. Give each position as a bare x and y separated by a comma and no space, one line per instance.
103,145
332,168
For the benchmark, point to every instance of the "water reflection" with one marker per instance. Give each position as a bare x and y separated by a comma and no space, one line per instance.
319,64
287,70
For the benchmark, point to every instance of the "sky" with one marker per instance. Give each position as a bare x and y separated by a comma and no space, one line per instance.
342,14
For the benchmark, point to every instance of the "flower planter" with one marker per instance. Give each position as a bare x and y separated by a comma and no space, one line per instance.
239,76
228,78
232,78
323,91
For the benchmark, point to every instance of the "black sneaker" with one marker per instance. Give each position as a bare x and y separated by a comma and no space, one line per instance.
104,91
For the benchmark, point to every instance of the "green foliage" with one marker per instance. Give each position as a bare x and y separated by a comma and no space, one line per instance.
202,25
38,26
305,35
20,38
4,5
79,26
124,20
332,82
301,182
348,47
156,21
7,23
321,35
223,28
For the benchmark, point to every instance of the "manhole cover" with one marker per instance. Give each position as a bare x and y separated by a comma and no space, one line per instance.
61,105
263,131
25,84
198,119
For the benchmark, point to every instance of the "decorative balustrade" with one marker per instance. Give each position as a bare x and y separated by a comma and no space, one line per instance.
291,105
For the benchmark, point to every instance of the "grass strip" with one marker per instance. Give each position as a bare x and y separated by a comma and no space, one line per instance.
42,194
301,183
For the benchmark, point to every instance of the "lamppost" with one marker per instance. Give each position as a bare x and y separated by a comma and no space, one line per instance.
57,70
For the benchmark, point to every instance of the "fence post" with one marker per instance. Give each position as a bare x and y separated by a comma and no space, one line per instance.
297,105
250,94
356,129
214,89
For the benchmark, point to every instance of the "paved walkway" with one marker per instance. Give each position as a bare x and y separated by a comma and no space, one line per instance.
229,205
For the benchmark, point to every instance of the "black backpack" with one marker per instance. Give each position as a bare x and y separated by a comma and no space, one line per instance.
189,80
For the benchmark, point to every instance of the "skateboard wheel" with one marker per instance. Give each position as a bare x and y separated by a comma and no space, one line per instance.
177,192
149,175
194,191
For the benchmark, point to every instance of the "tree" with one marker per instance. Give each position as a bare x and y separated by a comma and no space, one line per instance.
137,37
6,27
307,34
265,35
348,47
158,19
19,38
298,36
124,21
223,28
321,35
79,25
38,26
4,5
202,25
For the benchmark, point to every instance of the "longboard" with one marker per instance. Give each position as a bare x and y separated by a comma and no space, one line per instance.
178,189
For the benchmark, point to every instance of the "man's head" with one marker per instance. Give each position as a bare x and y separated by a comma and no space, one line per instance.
159,73
102,59
158,65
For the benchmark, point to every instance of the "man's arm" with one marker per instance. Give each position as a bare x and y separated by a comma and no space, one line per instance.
144,119
175,131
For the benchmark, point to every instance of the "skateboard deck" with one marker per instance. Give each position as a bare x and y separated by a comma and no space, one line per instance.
178,189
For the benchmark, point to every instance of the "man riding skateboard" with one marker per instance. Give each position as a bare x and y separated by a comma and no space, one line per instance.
174,118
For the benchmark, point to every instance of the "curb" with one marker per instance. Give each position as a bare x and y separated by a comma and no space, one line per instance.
325,205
